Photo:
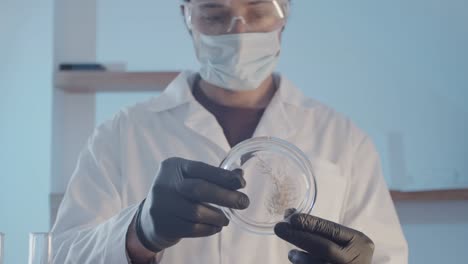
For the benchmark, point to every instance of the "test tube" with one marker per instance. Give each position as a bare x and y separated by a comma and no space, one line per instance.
40,248
2,245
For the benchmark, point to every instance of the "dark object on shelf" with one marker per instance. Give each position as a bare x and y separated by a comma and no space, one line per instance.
81,67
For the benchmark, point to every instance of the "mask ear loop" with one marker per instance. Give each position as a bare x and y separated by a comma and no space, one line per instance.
188,16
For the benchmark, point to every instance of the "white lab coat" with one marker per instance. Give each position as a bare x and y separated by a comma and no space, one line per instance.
119,163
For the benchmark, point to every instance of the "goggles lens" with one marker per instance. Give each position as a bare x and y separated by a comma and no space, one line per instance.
217,18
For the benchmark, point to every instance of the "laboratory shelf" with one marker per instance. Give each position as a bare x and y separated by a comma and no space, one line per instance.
106,81
431,195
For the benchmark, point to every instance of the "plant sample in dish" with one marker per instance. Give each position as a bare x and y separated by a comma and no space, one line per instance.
283,192
279,176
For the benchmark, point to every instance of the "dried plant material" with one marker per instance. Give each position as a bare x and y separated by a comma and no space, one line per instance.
282,193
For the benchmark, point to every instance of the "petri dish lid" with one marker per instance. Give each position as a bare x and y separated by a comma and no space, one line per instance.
279,176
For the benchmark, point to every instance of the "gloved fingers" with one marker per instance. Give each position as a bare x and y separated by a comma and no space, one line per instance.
199,190
202,230
341,235
191,229
232,180
300,257
289,212
175,227
316,245
197,212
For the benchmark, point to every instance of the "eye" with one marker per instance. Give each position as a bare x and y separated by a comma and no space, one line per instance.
213,18
259,14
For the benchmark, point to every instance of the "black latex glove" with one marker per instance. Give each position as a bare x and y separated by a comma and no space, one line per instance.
324,241
177,204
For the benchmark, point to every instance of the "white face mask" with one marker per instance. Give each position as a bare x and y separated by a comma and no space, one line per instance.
237,62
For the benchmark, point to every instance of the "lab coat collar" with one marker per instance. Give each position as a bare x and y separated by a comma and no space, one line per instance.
178,98
179,92
280,119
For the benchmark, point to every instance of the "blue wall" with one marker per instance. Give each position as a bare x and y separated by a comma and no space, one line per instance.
437,243
25,121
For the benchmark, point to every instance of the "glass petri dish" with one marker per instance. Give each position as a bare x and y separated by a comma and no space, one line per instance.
279,176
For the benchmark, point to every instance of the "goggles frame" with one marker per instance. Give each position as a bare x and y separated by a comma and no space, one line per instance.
281,6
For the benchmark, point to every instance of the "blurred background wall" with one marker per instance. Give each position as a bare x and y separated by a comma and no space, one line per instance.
26,52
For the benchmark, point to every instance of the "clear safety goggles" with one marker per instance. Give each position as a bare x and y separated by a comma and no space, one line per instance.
218,17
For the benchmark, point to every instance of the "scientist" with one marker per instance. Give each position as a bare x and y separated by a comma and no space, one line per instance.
146,184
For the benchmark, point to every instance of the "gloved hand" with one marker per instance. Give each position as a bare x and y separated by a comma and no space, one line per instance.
324,241
177,204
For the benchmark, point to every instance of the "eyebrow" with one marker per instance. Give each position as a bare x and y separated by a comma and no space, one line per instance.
259,2
211,5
